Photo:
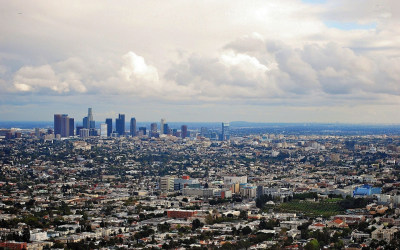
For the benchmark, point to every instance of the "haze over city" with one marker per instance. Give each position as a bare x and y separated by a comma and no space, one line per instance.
259,61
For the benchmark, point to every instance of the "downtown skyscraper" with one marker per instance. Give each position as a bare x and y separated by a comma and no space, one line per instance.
120,124
109,126
88,121
133,131
63,125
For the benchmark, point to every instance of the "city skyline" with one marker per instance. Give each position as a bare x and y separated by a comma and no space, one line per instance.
275,61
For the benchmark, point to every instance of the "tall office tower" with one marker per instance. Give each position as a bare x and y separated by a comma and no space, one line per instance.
163,121
120,124
133,126
88,121
90,118
109,126
85,122
64,125
71,127
184,131
225,131
92,124
103,130
165,128
57,124
153,129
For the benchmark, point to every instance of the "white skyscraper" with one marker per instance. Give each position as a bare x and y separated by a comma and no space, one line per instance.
163,121
103,130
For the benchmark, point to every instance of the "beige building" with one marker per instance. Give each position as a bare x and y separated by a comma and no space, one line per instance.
386,234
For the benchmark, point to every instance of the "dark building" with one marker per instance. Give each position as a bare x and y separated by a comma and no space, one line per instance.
184,131
88,121
153,130
225,135
78,129
142,130
109,126
120,124
85,122
57,124
93,132
18,134
71,126
64,125
133,127
166,129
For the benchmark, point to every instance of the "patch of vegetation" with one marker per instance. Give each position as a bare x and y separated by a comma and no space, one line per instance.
321,208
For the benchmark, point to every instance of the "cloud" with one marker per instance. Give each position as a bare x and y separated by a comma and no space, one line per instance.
278,53
250,69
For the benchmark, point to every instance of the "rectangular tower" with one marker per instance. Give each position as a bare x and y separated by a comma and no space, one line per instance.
71,127
109,126
120,124
57,124
184,131
133,127
64,125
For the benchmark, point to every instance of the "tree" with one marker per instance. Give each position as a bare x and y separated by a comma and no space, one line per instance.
243,215
209,219
312,245
196,224
26,234
246,230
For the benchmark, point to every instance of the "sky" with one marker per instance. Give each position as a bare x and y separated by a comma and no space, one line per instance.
225,60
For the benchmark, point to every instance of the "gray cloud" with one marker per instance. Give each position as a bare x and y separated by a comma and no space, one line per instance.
271,53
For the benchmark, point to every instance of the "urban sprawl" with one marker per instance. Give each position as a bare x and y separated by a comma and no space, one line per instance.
109,187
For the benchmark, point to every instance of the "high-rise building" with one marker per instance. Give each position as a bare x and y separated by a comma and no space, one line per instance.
57,124
92,123
163,121
153,129
133,127
103,130
184,131
120,124
109,126
88,121
85,122
71,126
64,125
225,135
166,129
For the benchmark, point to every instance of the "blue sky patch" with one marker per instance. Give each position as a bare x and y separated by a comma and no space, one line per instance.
349,25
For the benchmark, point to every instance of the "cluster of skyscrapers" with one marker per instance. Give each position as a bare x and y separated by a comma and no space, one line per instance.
64,127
